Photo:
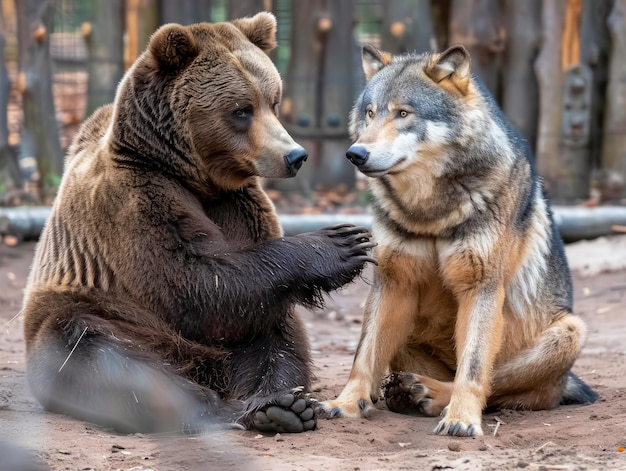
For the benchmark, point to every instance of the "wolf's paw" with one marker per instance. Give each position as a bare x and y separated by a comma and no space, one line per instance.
354,409
405,393
290,413
458,429
459,426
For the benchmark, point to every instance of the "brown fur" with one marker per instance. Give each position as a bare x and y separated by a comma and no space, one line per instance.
162,292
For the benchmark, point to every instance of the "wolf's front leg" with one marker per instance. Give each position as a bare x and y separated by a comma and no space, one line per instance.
388,321
478,337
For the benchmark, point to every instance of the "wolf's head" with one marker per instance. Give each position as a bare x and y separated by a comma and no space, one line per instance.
412,108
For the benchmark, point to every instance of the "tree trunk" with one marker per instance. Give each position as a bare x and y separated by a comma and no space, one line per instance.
595,44
335,93
319,91
243,8
407,26
573,156
550,78
185,12
298,104
105,43
479,26
39,142
142,19
520,91
575,122
614,149
10,178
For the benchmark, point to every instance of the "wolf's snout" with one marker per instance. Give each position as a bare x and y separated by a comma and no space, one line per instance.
357,155
295,158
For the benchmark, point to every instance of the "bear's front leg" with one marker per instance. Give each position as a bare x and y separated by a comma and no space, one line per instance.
272,375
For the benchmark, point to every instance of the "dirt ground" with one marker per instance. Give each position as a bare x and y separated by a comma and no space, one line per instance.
568,438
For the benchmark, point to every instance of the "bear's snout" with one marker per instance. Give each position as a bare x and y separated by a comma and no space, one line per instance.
294,159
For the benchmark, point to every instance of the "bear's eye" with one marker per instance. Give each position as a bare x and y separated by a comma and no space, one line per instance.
243,113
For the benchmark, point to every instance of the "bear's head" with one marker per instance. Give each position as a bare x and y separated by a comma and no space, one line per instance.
202,102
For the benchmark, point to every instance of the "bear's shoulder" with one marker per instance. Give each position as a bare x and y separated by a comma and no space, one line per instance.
92,131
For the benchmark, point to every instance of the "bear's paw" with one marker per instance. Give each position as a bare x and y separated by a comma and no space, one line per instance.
290,413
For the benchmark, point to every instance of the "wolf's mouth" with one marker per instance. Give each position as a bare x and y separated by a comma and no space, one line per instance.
379,172
373,173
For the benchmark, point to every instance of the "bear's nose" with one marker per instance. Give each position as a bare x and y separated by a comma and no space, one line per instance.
295,158
358,155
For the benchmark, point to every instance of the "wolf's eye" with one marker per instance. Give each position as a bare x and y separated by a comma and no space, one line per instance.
370,114
403,113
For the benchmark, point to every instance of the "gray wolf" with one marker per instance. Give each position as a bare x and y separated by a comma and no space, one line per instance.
471,303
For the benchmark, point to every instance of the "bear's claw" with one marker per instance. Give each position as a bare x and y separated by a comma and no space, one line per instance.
290,413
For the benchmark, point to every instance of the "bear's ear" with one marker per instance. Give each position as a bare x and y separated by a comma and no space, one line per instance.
173,47
451,67
373,60
260,30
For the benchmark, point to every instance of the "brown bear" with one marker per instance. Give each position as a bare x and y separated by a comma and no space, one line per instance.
162,291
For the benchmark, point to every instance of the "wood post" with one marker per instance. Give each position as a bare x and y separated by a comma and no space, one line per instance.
550,79
104,38
319,91
41,155
407,27
614,148
10,178
520,91
479,26
142,19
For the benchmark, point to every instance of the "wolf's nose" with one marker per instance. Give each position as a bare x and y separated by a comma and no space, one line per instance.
295,158
357,155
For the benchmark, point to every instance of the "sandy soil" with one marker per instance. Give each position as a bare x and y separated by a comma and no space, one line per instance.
568,438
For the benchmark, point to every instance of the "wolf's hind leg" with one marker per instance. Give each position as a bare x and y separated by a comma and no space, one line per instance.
538,377
420,383
409,393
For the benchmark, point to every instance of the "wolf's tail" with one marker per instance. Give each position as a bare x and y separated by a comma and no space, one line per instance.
576,391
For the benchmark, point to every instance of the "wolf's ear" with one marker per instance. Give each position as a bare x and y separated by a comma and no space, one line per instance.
451,67
373,60
173,47
260,30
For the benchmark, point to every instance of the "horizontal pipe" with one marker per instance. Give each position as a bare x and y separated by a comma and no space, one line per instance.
23,221
574,223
